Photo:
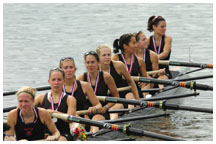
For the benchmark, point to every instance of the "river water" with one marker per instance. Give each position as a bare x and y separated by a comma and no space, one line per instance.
36,36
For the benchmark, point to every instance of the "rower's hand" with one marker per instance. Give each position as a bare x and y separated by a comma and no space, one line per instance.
161,72
142,85
50,111
103,110
92,110
51,138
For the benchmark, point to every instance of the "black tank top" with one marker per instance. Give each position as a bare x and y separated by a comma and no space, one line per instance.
30,131
135,69
151,47
61,125
102,88
148,60
80,97
119,81
134,72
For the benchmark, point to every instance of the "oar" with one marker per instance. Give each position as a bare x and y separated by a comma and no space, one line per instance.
121,89
134,118
38,89
186,64
190,84
157,104
194,78
164,105
152,72
170,97
48,88
83,112
9,109
126,129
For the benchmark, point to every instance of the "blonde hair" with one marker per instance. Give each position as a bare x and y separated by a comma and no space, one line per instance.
66,59
100,47
29,90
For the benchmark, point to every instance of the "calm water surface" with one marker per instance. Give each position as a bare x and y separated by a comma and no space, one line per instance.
36,36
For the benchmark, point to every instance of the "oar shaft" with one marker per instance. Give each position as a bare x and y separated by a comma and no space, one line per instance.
127,130
196,109
134,118
38,89
186,64
170,97
83,112
120,100
121,89
190,84
8,109
195,78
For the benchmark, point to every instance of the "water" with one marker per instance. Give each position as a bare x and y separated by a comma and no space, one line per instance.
36,36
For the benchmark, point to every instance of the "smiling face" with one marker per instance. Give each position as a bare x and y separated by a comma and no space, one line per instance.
69,68
91,63
160,28
105,55
25,102
142,43
56,81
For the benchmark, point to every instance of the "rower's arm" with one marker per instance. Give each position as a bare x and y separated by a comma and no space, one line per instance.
91,95
142,67
50,125
12,118
111,86
38,100
71,102
167,48
130,81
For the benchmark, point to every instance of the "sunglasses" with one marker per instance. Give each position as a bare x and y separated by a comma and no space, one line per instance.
64,58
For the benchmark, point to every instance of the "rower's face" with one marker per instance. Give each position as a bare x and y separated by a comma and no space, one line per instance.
143,42
105,55
68,68
91,63
161,28
56,81
131,45
25,102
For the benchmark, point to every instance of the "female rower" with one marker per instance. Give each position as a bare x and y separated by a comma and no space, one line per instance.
117,70
29,122
150,57
57,101
160,43
100,81
134,65
79,89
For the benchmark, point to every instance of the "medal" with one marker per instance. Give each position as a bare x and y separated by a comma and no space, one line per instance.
54,120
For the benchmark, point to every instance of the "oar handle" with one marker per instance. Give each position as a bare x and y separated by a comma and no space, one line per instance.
121,89
82,112
163,62
152,72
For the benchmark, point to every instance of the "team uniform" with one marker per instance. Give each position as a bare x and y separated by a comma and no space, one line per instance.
61,125
29,131
133,69
158,50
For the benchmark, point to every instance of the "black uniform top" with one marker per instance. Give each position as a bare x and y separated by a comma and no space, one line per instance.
61,125
151,47
102,88
30,131
80,97
135,71
147,60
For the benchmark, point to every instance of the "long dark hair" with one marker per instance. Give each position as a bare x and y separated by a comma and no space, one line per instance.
118,43
154,20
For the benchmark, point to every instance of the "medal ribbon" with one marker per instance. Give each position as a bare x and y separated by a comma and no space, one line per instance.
96,83
60,99
35,113
131,63
155,48
73,89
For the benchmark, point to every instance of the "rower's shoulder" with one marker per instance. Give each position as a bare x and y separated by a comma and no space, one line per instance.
115,57
13,112
80,77
168,37
118,64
